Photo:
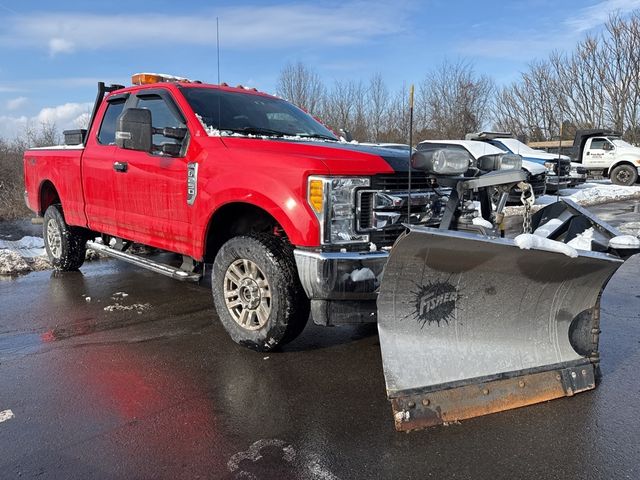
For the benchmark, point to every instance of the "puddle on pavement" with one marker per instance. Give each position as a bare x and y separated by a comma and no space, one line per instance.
18,345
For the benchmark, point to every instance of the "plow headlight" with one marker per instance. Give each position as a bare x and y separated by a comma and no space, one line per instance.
333,200
507,161
441,161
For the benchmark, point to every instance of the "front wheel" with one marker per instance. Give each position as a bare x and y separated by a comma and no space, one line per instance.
257,292
624,175
66,246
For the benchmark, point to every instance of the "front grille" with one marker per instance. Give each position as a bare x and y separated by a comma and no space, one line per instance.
426,206
366,207
565,168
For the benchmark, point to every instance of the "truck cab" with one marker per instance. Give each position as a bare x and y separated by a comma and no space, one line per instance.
606,153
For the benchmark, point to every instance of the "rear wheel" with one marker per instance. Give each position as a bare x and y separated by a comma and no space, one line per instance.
624,175
257,293
66,246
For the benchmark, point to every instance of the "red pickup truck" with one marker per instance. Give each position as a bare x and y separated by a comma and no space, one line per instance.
291,218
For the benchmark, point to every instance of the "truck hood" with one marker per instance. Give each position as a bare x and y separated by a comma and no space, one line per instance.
339,158
544,156
627,153
533,168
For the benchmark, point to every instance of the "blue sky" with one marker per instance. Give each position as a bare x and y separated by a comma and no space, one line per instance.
54,53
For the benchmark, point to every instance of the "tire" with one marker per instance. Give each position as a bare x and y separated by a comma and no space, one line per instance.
624,175
257,292
66,246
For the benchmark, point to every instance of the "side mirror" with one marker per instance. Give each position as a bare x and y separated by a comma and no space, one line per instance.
607,146
134,130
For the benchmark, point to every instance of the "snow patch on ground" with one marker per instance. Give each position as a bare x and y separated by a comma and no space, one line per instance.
587,194
26,247
630,228
28,255
137,307
11,263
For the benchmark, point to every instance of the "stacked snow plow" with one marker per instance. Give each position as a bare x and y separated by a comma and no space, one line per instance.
473,323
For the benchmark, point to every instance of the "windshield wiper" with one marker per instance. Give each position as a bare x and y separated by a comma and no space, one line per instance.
317,135
256,131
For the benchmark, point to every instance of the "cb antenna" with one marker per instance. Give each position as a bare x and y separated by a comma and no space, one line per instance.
410,152
218,46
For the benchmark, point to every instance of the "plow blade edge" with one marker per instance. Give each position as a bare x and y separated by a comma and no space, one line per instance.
472,325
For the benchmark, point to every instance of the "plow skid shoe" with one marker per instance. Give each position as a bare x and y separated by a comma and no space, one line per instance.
471,325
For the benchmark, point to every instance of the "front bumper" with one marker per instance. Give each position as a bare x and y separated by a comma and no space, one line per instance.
340,275
342,286
555,183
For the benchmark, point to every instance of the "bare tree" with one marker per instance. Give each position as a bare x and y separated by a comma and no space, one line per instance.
378,103
454,100
301,86
596,85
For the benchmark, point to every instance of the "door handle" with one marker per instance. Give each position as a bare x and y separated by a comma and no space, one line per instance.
120,166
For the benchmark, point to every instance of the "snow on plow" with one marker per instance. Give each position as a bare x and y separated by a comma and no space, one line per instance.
471,323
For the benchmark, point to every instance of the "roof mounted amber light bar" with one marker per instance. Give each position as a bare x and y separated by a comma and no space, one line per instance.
148,78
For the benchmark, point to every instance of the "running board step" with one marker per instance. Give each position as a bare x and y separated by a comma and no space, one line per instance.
157,267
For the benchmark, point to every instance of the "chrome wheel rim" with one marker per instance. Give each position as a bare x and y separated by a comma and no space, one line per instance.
247,294
54,239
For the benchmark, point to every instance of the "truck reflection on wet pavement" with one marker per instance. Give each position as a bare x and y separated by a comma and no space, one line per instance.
155,389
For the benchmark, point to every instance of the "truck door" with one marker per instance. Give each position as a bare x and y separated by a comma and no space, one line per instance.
151,188
598,152
97,168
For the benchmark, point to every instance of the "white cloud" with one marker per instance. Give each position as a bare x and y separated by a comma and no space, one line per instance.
60,45
16,103
66,116
285,25
596,15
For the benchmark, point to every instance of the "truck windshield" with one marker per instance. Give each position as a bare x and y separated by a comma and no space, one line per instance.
516,146
251,114
621,143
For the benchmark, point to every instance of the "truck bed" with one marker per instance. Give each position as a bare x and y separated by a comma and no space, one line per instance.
62,163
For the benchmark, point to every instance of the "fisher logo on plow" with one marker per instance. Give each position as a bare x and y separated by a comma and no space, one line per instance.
435,303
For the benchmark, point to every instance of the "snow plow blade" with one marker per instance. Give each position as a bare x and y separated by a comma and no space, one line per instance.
471,325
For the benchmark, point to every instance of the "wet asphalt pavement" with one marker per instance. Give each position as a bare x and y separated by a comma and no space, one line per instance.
159,391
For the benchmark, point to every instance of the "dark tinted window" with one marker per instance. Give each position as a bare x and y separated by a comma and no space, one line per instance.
601,144
248,112
107,133
161,116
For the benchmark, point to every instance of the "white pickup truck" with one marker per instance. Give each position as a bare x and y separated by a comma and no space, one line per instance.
604,152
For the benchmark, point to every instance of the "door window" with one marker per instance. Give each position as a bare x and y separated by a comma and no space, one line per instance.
107,133
598,143
162,116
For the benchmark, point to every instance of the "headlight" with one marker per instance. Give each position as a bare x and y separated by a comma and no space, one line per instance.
506,161
333,200
441,161
550,166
